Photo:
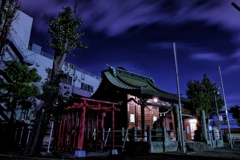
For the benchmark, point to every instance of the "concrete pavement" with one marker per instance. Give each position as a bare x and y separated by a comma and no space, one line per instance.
218,153
225,152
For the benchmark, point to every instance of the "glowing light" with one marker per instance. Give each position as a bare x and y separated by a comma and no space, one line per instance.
155,100
193,120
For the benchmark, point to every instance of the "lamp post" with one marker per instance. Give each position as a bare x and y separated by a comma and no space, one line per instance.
215,100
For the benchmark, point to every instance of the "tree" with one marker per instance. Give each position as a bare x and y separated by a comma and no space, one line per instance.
202,95
8,11
65,33
19,86
235,110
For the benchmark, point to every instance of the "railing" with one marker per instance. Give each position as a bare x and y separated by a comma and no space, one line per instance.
214,135
98,140
14,136
135,135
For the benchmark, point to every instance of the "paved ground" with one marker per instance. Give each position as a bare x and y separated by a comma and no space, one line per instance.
219,153
226,152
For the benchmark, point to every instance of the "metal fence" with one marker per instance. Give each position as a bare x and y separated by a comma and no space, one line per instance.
14,136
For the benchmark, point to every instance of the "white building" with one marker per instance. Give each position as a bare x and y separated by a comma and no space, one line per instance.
78,81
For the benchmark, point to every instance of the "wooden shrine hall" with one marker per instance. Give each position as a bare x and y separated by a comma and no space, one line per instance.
136,94
81,126
79,122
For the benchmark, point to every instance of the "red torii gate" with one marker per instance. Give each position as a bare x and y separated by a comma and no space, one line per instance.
70,131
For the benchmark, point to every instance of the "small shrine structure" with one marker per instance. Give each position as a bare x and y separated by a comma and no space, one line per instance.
80,124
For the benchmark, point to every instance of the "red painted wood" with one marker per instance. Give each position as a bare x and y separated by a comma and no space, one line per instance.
71,125
75,120
63,133
98,101
91,137
102,130
113,125
75,130
81,129
96,142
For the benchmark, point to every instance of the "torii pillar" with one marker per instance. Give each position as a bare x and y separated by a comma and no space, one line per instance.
80,152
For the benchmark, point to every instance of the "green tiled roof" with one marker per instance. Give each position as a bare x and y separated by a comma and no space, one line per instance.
115,81
137,84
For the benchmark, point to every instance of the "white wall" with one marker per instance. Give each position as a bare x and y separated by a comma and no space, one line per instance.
44,61
21,29
20,36
41,64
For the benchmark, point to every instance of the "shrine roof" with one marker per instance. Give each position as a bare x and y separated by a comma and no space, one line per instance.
135,84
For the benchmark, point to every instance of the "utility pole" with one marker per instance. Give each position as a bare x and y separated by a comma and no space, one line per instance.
235,6
179,100
226,110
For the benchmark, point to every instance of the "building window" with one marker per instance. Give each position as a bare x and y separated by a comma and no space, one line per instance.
82,76
86,87
224,117
67,80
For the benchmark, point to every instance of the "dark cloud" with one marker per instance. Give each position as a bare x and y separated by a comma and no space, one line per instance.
139,36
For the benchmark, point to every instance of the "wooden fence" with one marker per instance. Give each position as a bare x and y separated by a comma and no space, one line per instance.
18,136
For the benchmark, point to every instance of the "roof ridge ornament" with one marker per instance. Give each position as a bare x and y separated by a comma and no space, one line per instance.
113,69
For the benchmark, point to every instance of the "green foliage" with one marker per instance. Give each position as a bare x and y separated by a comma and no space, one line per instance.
65,31
51,96
202,95
19,84
8,11
235,110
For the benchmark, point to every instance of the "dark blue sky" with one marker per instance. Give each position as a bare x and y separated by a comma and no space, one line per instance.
139,35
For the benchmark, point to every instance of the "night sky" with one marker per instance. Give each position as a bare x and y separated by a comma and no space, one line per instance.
138,35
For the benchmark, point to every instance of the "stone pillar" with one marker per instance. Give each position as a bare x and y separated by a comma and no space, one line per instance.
204,126
158,127
134,133
149,135
177,125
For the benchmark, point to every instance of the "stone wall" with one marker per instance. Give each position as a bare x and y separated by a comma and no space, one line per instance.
165,146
